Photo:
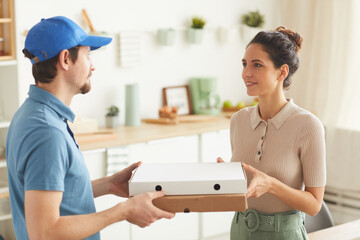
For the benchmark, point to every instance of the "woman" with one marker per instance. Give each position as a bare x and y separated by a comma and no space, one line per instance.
281,145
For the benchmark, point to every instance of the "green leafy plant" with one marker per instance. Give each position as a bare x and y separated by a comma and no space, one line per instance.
112,111
253,19
198,23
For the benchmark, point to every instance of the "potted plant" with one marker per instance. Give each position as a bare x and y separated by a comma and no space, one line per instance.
166,36
252,24
112,117
196,31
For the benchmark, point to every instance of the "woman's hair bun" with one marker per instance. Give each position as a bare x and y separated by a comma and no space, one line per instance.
293,36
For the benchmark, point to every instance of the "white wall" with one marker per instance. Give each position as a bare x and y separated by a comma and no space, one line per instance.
160,66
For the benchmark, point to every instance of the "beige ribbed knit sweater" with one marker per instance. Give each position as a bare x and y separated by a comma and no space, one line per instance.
289,147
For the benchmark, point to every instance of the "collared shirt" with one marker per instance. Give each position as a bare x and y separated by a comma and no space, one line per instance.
289,147
42,154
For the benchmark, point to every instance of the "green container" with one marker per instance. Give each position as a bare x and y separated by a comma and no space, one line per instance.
204,98
195,35
132,105
208,85
166,36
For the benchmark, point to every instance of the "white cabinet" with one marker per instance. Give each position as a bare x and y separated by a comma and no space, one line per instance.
184,226
116,231
179,149
170,150
96,161
9,95
9,103
6,228
214,145
204,147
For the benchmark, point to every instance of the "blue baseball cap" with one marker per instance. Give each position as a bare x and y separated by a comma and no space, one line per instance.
50,36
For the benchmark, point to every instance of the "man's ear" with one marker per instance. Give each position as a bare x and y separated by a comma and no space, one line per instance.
64,59
284,71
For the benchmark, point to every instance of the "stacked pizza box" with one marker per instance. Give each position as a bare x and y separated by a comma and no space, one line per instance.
193,187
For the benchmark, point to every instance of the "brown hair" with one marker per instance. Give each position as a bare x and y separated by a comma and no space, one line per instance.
282,46
46,71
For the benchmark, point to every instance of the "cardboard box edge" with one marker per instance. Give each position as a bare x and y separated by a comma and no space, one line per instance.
202,203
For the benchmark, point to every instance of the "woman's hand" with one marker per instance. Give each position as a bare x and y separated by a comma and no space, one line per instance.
261,183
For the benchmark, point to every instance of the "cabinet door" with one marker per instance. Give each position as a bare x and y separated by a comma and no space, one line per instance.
116,231
171,150
7,229
214,145
184,226
96,161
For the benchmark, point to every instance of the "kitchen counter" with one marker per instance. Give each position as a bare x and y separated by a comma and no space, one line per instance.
125,135
346,231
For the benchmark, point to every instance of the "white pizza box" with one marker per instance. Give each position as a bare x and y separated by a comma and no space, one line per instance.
189,178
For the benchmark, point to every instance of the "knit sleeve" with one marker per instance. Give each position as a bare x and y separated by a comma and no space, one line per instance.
232,132
312,152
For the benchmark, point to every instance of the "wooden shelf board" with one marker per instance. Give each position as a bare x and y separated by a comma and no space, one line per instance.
7,58
4,124
5,217
5,20
7,62
4,194
2,162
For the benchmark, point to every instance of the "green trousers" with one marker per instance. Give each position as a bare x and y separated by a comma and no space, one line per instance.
252,225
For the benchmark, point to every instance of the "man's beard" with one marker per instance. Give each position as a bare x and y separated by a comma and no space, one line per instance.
85,88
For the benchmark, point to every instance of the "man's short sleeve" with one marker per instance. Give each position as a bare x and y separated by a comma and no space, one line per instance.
46,160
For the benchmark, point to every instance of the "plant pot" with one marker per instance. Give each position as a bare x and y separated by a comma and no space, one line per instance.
112,122
248,33
166,37
223,34
195,35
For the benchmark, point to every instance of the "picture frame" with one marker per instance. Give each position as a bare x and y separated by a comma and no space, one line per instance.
178,96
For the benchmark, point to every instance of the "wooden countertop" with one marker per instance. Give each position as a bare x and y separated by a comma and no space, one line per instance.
346,231
125,135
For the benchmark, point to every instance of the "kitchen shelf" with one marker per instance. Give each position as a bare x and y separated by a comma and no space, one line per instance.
5,217
7,62
7,31
4,124
5,20
4,193
2,162
5,209
6,58
4,190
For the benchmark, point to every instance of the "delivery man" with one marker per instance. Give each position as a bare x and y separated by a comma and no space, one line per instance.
51,194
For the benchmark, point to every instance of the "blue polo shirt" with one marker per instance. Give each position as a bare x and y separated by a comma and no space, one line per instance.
42,154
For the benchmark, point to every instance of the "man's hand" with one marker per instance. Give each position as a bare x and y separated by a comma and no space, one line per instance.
261,183
120,181
141,211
